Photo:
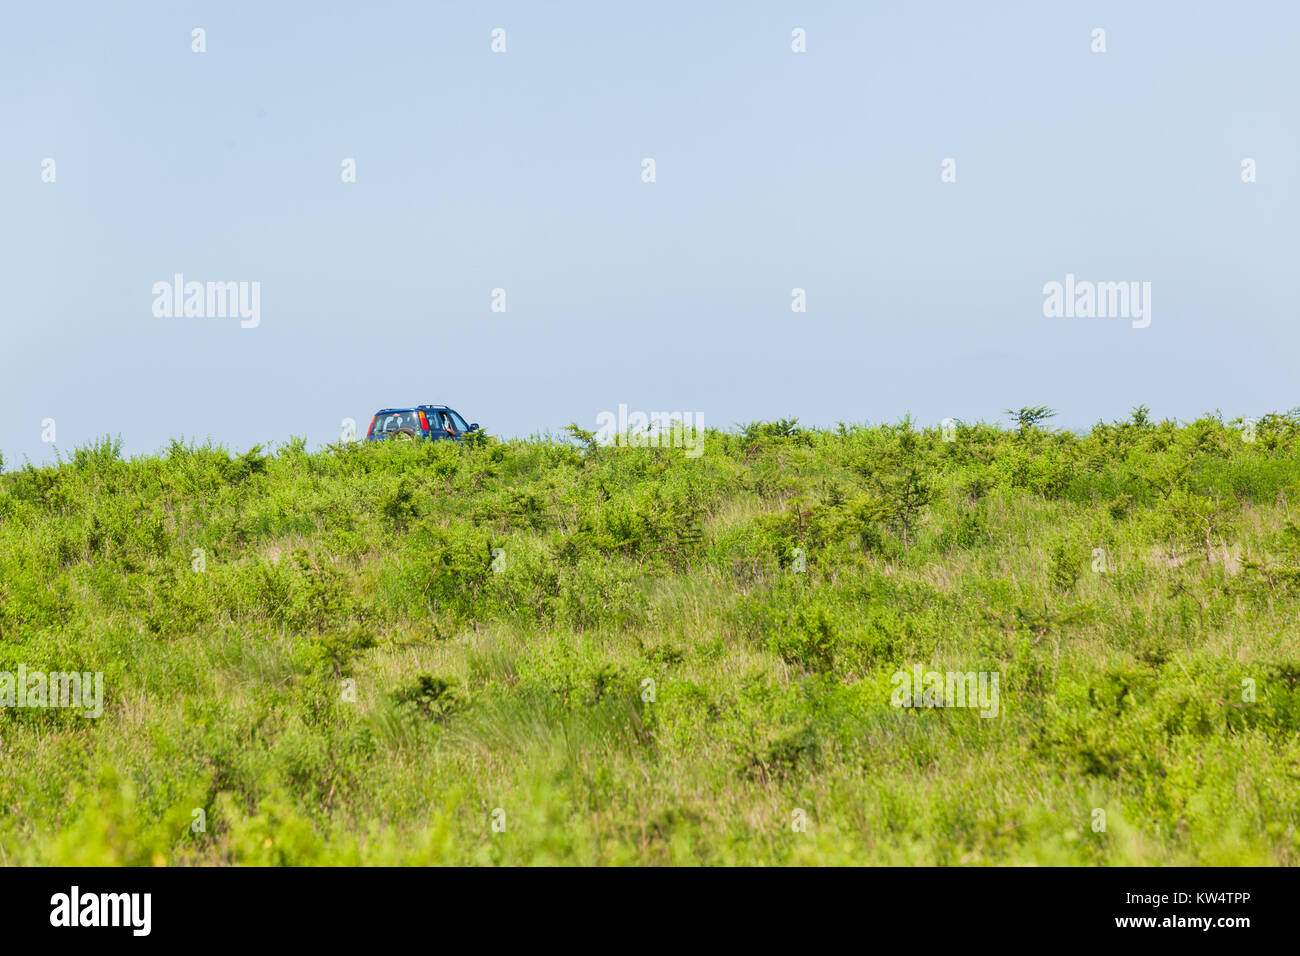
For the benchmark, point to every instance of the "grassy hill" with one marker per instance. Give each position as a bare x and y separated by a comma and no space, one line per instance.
667,659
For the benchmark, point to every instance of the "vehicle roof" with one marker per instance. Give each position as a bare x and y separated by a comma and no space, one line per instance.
411,408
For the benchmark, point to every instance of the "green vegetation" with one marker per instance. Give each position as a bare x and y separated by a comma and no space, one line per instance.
374,654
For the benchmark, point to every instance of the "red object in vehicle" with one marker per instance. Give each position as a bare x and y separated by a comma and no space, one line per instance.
424,422
371,431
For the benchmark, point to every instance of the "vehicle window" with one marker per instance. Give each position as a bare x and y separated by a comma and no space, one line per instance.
459,422
398,420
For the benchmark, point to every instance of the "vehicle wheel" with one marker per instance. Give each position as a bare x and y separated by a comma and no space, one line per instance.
404,434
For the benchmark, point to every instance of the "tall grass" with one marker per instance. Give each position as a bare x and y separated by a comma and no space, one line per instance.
531,652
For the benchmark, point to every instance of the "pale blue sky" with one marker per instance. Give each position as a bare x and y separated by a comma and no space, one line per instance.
523,171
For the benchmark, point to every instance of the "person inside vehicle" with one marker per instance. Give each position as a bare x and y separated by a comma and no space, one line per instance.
447,426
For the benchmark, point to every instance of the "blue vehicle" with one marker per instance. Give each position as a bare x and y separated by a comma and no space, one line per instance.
426,422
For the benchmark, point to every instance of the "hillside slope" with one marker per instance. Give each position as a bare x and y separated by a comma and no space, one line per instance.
539,652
